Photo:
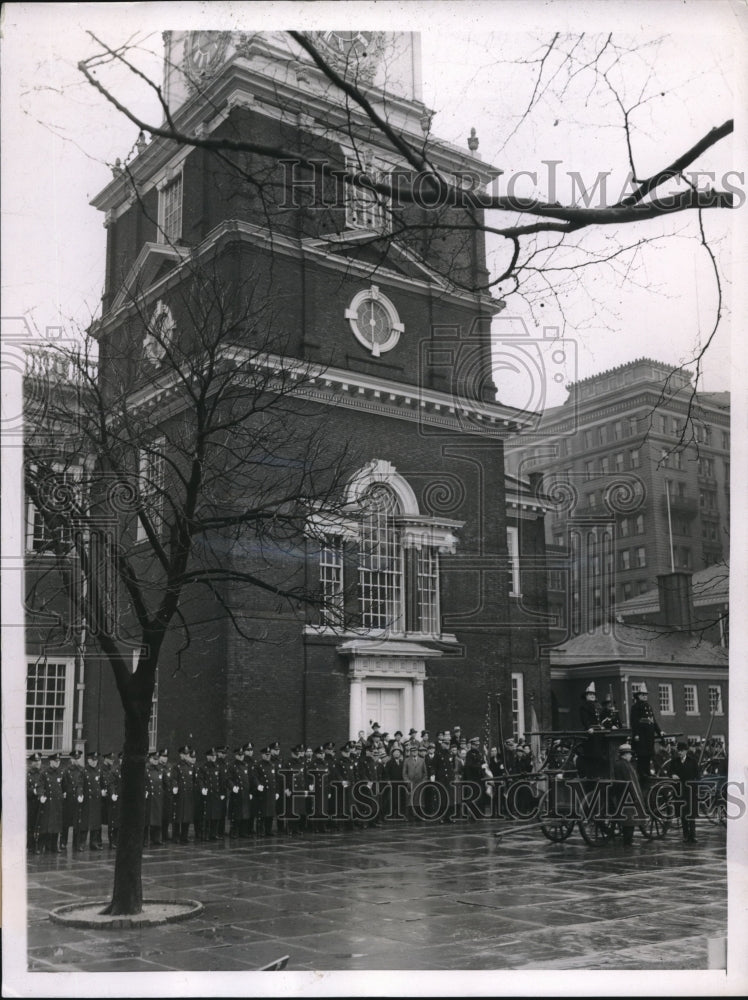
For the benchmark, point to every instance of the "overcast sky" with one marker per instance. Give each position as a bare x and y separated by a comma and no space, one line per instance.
478,71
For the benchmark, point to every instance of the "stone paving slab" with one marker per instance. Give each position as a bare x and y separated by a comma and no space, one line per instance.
409,897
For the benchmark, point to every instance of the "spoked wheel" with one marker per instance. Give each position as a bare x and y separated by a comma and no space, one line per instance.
595,831
717,812
665,812
655,827
557,830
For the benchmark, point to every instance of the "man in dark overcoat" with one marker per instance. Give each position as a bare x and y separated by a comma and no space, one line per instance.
89,810
240,792
72,789
49,819
267,788
627,794
685,770
33,791
154,804
644,730
106,766
208,789
592,762
183,794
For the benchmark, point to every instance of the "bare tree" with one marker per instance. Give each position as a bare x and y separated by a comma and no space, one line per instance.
152,477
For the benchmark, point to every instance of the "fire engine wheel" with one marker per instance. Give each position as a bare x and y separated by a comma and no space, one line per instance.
595,831
558,831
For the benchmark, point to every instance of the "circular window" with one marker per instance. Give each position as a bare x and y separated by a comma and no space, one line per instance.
374,321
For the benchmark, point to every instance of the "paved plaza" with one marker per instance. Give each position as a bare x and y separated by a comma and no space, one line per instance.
399,897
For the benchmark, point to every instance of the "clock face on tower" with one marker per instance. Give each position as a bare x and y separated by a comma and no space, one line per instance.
374,321
204,50
343,43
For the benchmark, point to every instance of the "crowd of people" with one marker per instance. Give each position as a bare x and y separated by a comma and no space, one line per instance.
238,794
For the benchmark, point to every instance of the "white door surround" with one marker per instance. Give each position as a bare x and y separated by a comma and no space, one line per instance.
378,665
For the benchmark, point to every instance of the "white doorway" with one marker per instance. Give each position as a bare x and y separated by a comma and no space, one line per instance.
385,706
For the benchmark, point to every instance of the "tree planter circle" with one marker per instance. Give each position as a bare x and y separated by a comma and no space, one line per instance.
155,911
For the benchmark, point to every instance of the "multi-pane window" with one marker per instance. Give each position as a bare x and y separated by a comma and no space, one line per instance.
381,563
665,692
170,211
604,466
715,699
64,499
49,685
634,455
628,591
602,434
518,705
331,581
625,559
690,699
619,461
589,470
151,487
618,430
641,556
624,527
676,459
427,571
639,524
512,541
365,208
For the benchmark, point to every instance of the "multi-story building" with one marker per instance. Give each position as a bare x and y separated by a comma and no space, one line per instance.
636,464
369,326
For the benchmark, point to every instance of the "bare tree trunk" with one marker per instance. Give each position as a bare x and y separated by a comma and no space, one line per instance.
127,896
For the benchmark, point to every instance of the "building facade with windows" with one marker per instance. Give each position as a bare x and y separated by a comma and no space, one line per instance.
431,570
637,465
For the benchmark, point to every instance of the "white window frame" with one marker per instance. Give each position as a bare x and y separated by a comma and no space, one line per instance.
152,497
512,543
518,704
72,475
63,739
718,707
366,210
636,686
331,569
692,691
381,573
665,699
427,586
170,218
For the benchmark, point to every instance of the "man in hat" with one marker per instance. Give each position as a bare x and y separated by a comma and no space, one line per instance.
293,793
168,808
208,790
240,795
592,761
33,791
644,730
223,771
89,812
475,770
685,770
49,820
105,770
154,801
266,789
610,717
375,731
183,794
72,783
627,796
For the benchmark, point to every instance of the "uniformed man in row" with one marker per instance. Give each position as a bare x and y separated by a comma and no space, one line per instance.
154,801
33,790
183,794
210,794
240,795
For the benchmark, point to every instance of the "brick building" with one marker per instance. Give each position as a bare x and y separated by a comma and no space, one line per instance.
431,573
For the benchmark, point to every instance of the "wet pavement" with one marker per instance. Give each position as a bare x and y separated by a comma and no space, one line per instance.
399,897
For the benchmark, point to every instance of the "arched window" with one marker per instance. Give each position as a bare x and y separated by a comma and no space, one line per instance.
379,568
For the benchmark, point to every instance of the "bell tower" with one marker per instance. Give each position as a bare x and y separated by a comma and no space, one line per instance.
386,63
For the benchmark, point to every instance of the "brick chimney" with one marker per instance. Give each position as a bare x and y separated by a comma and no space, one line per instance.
676,605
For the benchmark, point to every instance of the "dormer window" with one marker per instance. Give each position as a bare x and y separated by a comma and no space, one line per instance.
170,210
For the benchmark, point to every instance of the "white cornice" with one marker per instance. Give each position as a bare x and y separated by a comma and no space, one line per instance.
339,387
234,229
